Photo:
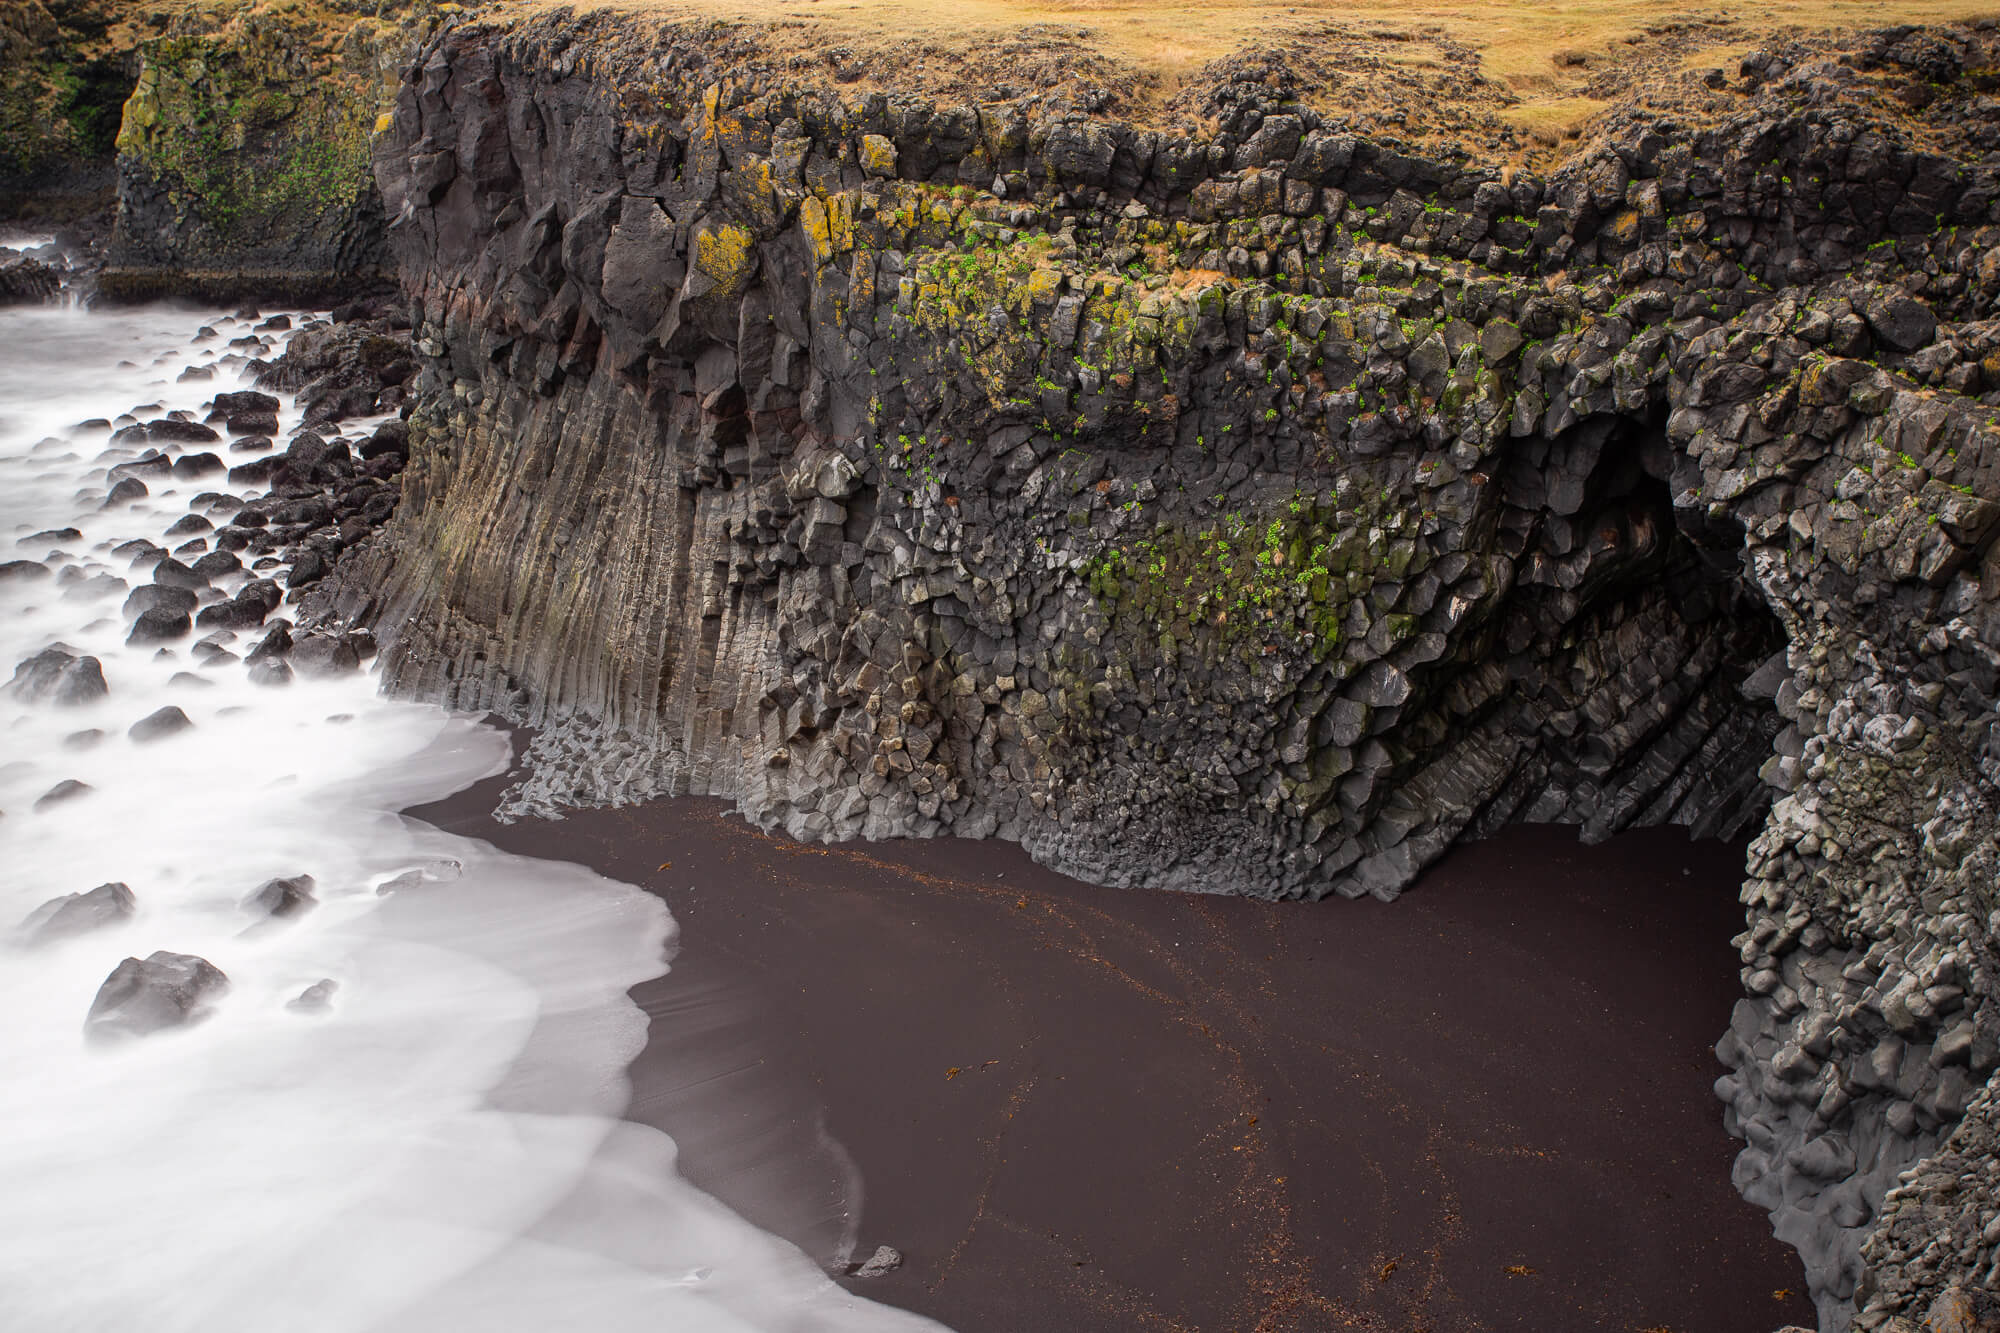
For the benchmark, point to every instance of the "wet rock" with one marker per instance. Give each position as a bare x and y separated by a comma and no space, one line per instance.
254,473
159,725
271,672
216,565
886,1259
80,913
314,999
282,898
275,644
86,739
163,990
251,423
171,573
124,491
309,568
391,439
50,537
189,525
245,400
147,596
170,430
324,655
189,466
29,282
69,789
139,551
56,675
91,587
159,624
22,571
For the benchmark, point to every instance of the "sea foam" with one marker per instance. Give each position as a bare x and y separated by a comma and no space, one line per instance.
437,1149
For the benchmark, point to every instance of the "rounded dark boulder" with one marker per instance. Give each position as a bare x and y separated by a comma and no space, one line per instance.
149,595
324,655
239,612
152,463
59,676
163,990
275,644
245,400
314,999
159,724
309,568
79,913
251,423
173,574
22,571
159,624
138,550
69,789
390,438
171,430
189,466
217,564
272,671
124,491
281,898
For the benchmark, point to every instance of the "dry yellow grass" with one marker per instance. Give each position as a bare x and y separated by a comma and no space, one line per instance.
1544,54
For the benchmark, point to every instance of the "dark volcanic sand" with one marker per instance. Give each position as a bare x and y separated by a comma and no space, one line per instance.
1484,1106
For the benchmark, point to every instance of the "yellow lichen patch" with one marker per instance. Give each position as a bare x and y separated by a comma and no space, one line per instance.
383,122
722,254
1042,283
878,155
829,225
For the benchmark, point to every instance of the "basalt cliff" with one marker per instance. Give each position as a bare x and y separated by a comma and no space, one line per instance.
1247,502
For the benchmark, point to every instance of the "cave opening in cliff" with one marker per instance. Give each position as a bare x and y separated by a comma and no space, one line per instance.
94,103
1643,657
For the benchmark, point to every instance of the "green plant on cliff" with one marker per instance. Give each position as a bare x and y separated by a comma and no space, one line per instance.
1246,581
253,131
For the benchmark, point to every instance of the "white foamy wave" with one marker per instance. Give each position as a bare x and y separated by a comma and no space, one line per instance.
436,1149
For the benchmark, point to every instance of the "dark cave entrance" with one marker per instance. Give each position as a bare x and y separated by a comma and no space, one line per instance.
1643,657
94,105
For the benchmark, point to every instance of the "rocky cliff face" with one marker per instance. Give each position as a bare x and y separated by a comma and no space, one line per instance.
1256,510
243,154
64,77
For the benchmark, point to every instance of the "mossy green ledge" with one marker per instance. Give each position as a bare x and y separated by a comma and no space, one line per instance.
244,161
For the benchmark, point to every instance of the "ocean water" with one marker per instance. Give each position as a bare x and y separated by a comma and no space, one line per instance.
438,1149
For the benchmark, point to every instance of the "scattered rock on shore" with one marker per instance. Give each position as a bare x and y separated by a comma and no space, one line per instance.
886,1259
281,898
314,999
59,676
159,725
163,990
79,913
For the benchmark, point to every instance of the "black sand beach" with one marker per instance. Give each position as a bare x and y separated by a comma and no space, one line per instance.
1485,1106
